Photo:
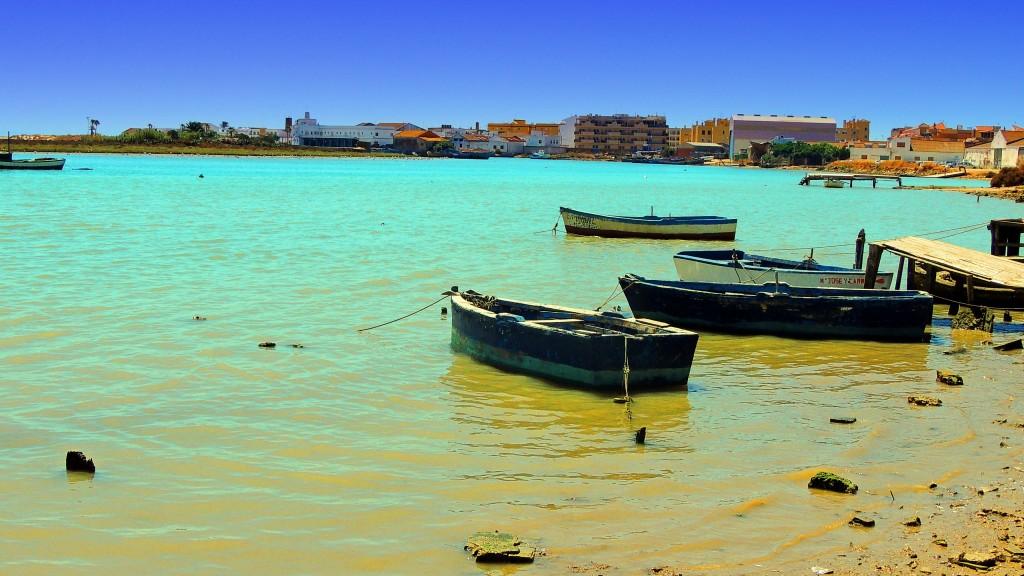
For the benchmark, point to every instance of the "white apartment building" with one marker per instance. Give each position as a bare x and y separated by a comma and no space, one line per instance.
308,132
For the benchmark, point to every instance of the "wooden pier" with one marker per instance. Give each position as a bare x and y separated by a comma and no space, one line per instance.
874,178
952,273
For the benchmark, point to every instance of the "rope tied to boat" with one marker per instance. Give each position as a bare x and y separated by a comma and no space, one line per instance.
406,316
615,293
750,278
625,371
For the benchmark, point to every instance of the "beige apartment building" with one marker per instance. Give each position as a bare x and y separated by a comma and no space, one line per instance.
620,133
715,131
854,131
522,128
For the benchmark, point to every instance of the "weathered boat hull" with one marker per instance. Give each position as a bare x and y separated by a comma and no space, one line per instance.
737,267
661,227
781,310
952,288
587,349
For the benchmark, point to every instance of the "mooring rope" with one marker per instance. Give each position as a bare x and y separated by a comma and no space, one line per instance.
404,317
615,293
625,368
955,232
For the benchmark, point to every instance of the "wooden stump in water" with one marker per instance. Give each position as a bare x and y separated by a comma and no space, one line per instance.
77,462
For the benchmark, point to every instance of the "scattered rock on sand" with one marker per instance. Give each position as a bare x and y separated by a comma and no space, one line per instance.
865,522
947,377
976,560
842,420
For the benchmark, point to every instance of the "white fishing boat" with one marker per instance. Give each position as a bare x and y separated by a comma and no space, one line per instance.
738,267
660,227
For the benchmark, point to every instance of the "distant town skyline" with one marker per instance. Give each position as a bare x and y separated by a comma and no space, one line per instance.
252,64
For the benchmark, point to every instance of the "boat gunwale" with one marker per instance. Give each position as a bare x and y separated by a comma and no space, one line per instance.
590,317
797,292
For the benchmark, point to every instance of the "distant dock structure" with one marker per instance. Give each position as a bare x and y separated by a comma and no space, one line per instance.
851,178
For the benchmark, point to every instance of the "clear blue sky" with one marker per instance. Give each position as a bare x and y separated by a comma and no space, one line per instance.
252,63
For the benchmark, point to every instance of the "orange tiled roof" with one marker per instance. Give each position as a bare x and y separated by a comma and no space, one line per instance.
925,145
1013,135
425,134
475,137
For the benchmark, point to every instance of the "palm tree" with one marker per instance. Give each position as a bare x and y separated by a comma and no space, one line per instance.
193,126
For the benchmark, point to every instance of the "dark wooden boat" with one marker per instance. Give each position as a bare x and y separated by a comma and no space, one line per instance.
7,161
663,227
471,154
582,347
782,310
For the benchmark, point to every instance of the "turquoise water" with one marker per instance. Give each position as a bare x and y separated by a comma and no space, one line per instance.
380,452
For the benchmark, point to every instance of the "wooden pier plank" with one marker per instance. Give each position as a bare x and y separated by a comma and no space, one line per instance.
973,263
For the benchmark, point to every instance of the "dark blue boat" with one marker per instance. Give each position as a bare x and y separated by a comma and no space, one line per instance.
782,310
571,345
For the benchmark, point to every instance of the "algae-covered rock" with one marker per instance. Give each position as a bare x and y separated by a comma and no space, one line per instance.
947,377
830,481
500,547
924,401
973,318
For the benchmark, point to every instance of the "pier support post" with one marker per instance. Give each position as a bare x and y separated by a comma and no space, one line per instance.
874,258
858,256
911,267
899,274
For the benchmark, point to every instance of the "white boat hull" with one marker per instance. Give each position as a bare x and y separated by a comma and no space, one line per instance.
664,227
725,272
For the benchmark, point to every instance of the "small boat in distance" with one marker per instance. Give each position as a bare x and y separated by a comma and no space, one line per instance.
833,183
662,227
7,161
471,154
778,309
737,267
598,350
540,155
